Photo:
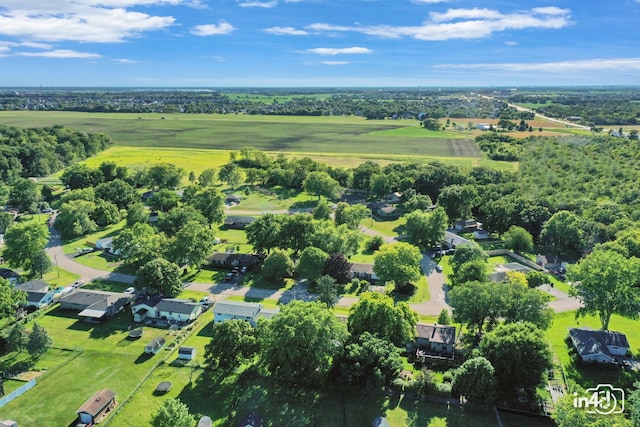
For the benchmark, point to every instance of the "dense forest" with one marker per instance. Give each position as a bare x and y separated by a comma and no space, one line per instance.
39,152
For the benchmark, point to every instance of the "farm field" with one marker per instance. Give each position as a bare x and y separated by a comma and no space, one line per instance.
268,133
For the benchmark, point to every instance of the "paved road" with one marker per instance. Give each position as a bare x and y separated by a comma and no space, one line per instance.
55,252
437,289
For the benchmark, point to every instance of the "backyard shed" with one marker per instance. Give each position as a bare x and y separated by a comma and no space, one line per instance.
97,407
186,353
155,345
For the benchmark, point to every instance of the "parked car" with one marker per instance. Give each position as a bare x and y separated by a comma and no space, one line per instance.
205,299
77,283
229,277
439,268
130,290
243,270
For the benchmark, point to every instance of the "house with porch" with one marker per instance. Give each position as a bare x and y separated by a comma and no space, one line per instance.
231,260
238,222
599,346
434,338
97,407
95,305
170,310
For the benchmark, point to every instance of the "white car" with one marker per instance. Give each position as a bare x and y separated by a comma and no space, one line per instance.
78,283
130,290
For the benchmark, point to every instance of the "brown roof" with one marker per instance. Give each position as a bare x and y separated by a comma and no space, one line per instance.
362,268
436,333
97,402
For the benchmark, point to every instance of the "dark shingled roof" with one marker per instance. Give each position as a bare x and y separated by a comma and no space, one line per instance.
33,286
174,305
436,333
588,341
97,402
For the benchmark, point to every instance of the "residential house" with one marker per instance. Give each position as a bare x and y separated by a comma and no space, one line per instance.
171,310
230,260
238,222
249,311
155,345
599,346
106,245
353,196
95,305
467,225
232,198
483,126
388,212
548,261
434,338
10,275
34,286
500,272
39,299
481,235
97,407
186,353
393,198
364,271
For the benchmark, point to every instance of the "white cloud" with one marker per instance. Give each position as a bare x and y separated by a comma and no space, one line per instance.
285,31
335,62
461,24
221,28
60,53
263,4
429,1
97,21
125,61
511,43
338,51
613,64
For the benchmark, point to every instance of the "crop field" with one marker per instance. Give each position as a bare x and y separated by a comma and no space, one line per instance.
268,133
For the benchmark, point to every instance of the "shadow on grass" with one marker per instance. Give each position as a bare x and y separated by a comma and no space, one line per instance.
206,330
144,357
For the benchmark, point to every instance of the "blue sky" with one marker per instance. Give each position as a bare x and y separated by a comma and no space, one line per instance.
331,43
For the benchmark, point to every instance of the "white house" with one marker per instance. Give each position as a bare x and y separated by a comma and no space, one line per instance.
186,353
249,311
173,310
39,299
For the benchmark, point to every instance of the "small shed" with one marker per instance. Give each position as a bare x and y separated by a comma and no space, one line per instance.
155,345
186,353
97,407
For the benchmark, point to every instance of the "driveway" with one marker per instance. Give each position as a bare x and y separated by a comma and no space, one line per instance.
564,302
437,289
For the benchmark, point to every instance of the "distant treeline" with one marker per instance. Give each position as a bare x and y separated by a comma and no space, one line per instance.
39,152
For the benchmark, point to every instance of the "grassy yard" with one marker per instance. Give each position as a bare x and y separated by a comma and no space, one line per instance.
59,277
276,198
585,375
387,228
70,246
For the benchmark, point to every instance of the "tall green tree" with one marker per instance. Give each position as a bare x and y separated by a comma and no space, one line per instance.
474,305
606,283
311,263
173,221
38,341
118,192
377,314
163,175
17,338
74,219
518,240
426,229
136,213
300,343
173,413
338,266
10,299
161,276
277,266
105,213
564,234
475,380
81,176
23,242
369,360
264,233
163,200
24,195
207,177
41,263
321,184
232,343
472,271
231,174
398,263
466,253
327,291
139,244
6,220
352,215
457,200
191,245
519,353
210,202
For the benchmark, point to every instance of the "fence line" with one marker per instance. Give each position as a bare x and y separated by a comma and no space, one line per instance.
17,392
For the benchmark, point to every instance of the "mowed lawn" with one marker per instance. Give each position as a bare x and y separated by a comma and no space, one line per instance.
269,133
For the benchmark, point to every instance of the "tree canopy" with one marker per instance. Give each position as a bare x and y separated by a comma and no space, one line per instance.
173,413
606,283
398,263
23,242
161,276
301,342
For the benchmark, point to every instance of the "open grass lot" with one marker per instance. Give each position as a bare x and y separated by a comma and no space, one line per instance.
387,228
59,277
420,132
273,199
269,133
585,375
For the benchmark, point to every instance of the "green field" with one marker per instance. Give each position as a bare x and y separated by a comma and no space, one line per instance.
353,135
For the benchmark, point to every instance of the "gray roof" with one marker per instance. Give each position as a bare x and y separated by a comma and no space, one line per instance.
90,297
35,296
362,268
34,286
237,308
443,334
589,341
97,402
175,305
5,273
